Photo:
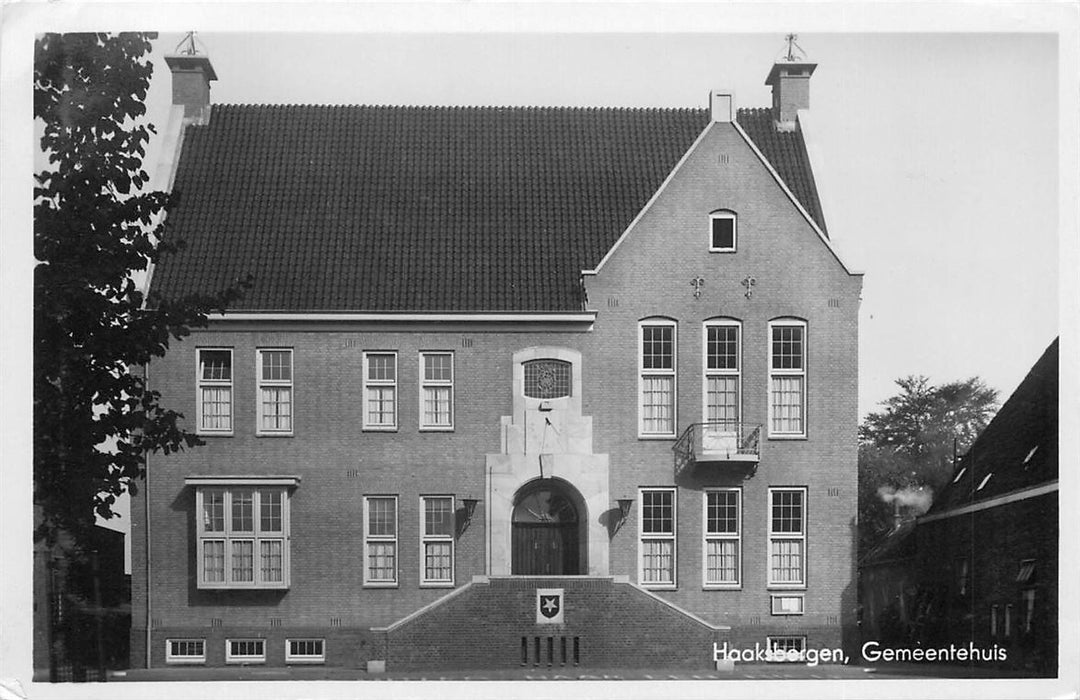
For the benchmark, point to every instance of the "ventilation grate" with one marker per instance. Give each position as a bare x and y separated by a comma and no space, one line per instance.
550,651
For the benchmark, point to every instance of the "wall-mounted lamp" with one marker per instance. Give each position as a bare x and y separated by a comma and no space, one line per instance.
624,511
468,506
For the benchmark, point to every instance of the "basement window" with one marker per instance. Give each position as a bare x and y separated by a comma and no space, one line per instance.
722,231
305,651
245,651
185,651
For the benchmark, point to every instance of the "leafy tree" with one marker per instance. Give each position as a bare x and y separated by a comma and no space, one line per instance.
94,228
906,450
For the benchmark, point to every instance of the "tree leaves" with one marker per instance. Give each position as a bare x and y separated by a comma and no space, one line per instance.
95,418
909,445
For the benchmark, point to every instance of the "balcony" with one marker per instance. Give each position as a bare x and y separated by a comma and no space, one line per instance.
720,442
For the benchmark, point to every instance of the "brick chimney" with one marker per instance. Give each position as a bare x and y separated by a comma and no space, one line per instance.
790,81
191,76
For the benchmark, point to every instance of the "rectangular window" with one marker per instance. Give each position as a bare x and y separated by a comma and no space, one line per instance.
305,651
275,374
722,378
723,538
185,651
215,380
993,620
380,391
245,651
1028,596
436,391
786,649
243,541
787,379
380,541
1008,620
657,545
787,537
962,576
787,604
657,380
437,540
722,232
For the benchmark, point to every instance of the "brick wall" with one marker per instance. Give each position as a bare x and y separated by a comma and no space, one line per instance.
649,275
994,542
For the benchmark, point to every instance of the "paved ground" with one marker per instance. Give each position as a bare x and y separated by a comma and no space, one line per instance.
741,672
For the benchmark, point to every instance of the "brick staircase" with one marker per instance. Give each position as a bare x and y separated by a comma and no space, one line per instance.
608,622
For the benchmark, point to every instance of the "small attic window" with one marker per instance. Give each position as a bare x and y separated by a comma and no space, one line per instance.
1031,454
1026,572
722,232
959,474
983,482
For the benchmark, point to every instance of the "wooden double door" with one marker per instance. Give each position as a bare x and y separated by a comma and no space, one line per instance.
546,533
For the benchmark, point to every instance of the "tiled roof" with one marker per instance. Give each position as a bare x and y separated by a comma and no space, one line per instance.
897,545
1018,449
786,151
358,208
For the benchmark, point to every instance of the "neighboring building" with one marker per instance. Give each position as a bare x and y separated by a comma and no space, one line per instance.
887,585
510,386
82,606
987,550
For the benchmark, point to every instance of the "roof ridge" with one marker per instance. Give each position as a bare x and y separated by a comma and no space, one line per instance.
561,108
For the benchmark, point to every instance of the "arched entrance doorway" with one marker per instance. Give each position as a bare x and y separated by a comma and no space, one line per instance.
547,530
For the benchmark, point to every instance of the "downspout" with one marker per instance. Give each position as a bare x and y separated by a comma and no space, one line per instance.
146,497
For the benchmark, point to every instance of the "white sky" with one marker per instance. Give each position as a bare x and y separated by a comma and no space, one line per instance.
939,153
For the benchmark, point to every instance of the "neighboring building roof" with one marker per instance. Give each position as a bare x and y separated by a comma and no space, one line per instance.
897,545
436,209
1018,449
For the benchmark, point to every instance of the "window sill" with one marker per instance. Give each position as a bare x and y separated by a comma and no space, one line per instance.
786,587
379,429
242,587
245,662
276,435
381,584
722,587
722,250
185,662
437,584
787,437
671,436
304,662
214,433
659,586
436,428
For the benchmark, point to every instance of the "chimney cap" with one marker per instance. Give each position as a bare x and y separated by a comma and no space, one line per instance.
787,67
191,62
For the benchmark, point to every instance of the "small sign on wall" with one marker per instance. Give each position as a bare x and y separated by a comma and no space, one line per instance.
549,606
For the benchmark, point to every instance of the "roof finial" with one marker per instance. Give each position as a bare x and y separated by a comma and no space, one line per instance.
795,52
188,42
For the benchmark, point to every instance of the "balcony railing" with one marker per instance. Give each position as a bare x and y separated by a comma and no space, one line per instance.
722,441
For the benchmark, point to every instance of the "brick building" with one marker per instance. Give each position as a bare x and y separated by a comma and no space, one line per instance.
1005,492
510,386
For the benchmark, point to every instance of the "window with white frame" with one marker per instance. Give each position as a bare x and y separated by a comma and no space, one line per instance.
722,232
723,538
245,651
657,378
1008,620
786,648
722,367
380,391
436,391
787,537
380,541
787,378
657,544
275,372
185,651
215,379
437,540
243,537
305,651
